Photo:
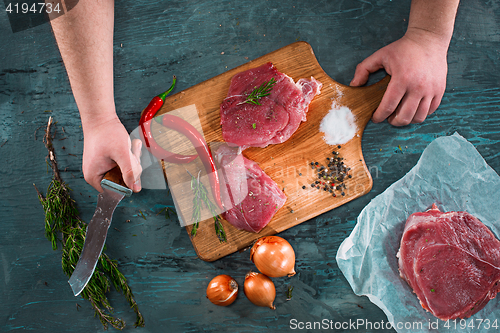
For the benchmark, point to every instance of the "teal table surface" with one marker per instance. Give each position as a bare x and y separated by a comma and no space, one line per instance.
197,40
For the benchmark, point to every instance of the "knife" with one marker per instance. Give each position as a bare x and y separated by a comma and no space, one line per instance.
114,190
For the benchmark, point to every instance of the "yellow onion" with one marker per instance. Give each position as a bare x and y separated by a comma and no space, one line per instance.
222,290
273,256
259,289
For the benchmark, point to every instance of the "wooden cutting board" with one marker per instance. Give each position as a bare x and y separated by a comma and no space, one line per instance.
288,164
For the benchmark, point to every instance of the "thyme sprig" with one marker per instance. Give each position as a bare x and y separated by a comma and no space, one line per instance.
63,226
263,90
201,197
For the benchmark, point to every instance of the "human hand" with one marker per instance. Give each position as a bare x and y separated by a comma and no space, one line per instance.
106,145
417,66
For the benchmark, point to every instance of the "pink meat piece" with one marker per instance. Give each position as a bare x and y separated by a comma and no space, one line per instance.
250,196
451,261
234,187
278,116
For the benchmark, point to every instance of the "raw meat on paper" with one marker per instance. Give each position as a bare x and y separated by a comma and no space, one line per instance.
451,261
251,196
278,116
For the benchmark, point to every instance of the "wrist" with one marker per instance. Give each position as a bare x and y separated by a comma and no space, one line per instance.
432,20
98,118
429,38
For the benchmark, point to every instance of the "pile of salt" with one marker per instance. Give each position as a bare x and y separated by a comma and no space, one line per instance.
338,125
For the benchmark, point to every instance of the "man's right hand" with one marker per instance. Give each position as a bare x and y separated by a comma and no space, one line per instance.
106,145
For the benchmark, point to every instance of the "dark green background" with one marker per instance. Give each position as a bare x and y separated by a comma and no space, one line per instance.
197,40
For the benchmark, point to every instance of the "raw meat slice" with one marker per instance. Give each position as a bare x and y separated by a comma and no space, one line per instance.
451,261
234,187
250,196
278,116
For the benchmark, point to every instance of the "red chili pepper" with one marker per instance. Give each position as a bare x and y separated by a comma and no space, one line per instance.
189,131
145,123
201,146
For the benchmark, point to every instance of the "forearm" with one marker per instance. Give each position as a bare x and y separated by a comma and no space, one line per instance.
433,18
85,39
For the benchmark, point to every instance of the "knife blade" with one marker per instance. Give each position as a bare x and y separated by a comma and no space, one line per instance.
114,191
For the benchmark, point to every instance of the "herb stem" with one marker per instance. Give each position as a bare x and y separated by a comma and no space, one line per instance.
64,226
200,198
259,92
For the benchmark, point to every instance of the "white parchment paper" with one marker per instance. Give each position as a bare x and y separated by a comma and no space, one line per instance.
450,173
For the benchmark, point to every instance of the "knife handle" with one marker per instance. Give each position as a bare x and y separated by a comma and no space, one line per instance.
115,175
113,180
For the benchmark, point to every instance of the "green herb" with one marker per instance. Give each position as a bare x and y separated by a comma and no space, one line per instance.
254,125
263,90
200,198
432,290
63,226
289,293
167,211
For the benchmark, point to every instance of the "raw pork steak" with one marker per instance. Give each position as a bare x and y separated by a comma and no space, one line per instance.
278,116
451,261
251,197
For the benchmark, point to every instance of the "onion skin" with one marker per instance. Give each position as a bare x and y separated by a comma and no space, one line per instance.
273,256
259,289
222,290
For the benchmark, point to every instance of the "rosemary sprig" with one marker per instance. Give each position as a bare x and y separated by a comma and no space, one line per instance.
197,189
263,90
200,197
63,226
